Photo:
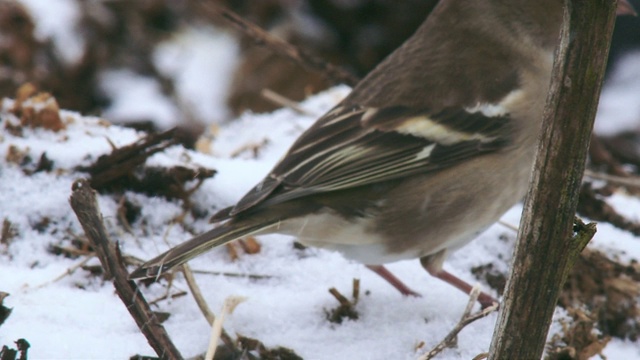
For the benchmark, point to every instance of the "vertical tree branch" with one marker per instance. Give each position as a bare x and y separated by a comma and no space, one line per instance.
546,247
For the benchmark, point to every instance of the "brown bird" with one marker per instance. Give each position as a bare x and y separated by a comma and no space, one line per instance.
427,151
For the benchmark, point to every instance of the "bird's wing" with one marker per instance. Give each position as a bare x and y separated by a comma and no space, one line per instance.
353,146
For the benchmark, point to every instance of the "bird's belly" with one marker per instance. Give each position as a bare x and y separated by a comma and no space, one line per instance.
352,238
450,214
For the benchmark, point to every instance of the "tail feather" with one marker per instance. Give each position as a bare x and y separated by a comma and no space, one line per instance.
204,242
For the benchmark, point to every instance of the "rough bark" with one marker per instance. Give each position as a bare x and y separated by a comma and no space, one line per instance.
547,247
85,204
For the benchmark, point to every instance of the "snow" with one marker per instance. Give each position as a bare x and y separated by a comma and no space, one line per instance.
201,60
56,20
287,309
135,97
79,316
619,107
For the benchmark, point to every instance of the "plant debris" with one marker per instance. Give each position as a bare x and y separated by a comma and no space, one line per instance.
494,278
17,156
592,205
22,345
7,233
579,339
249,245
347,308
609,290
79,246
255,349
123,169
22,158
451,340
37,109
4,311
624,147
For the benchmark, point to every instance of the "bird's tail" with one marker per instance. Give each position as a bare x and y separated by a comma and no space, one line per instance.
186,251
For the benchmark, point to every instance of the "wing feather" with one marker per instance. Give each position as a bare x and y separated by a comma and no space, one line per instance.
355,146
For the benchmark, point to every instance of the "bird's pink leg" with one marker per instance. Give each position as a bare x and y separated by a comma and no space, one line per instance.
484,299
393,280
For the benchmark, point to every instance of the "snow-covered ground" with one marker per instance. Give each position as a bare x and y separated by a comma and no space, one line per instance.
78,316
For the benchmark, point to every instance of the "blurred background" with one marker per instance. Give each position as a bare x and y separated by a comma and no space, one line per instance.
156,64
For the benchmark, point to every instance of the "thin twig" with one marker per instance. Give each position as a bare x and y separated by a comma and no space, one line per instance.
230,304
341,299
347,308
333,73
68,272
230,274
84,203
282,101
254,148
466,319
631,181
197,294
508,225
168,296
122,216
355,293
204,307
